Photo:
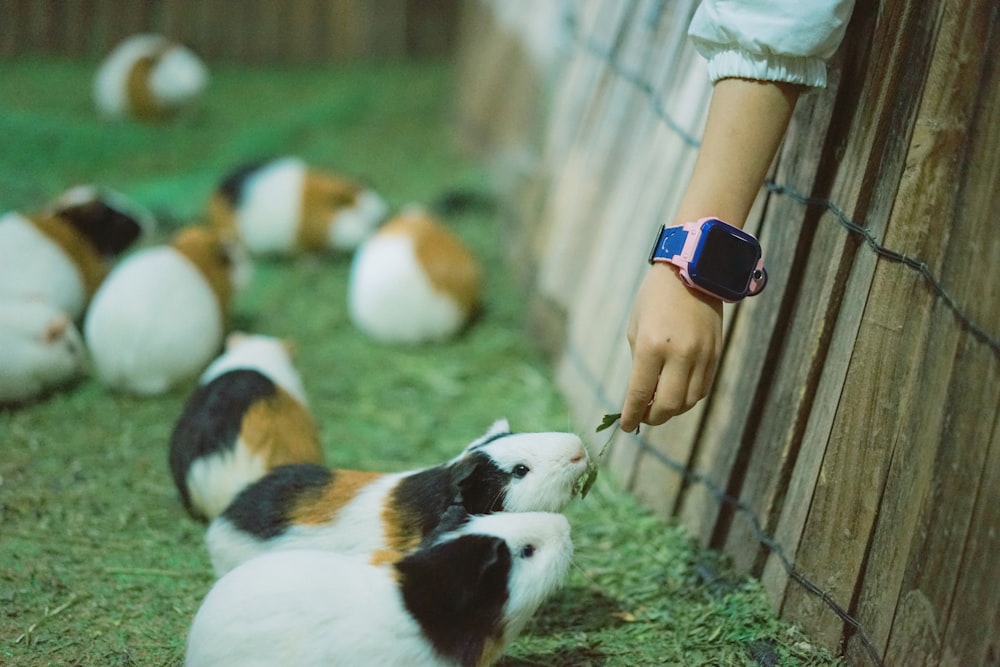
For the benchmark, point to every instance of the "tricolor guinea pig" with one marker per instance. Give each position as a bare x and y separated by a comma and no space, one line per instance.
40,349
386,515
458,601
414,281
62,253
150,77
283,206
160,316
248,415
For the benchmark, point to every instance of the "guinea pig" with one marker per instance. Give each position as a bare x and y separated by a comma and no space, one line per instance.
248,415
160,316
386,515
457,602
414,281
40,349
149,77
283,206
62,253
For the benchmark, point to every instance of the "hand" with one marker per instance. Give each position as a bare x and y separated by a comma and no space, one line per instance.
676,338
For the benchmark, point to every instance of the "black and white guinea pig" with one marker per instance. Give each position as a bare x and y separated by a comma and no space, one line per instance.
150,77
284,206
386,515
40,349
160,316
413,281
458,601
62,253
248,415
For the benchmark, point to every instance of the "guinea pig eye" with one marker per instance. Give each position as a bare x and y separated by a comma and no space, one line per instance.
527,551
520,470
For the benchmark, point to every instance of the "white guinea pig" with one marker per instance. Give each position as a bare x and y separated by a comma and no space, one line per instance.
148,76
40,349
62,253
458,601
283,206
248,415
160,316
414,281
386,515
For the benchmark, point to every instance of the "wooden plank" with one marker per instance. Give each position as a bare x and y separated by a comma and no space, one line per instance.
864,192
847,493
304,23
576,186
429,27
14,27
973,624
41,33
923,490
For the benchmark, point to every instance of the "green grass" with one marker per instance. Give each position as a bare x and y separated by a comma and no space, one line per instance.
99,565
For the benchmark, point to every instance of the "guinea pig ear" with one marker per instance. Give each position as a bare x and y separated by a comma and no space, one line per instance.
451,519
234,339
499,427
479,484
457,584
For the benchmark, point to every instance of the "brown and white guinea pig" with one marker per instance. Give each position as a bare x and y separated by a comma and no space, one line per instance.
284,206
150,77
248,415
160,316
62,253
414,281
386,515
458,601
40,349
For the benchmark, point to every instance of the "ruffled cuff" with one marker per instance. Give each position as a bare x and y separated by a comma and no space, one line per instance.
736,63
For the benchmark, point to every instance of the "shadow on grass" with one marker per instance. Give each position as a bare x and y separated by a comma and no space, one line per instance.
557,634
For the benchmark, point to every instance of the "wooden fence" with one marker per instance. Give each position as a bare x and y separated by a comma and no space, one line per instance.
239,31
849,454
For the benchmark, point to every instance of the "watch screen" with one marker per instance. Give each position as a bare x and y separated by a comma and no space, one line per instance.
726,260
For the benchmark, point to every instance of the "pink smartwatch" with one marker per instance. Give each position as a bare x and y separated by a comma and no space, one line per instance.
713,257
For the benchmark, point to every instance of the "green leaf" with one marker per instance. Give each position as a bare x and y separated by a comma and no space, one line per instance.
608,421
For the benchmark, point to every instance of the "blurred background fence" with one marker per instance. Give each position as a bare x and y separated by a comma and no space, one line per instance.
238,31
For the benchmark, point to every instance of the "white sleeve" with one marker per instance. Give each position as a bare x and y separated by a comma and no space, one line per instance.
774,40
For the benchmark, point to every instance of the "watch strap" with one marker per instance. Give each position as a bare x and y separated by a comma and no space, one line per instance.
669,243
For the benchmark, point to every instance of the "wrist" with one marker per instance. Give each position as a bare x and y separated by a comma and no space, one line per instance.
669,277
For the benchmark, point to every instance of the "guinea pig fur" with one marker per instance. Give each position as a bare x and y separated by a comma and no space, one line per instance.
414,281
150,77
458,602
40,349
62,254
160,316
248,415
283,206
386,515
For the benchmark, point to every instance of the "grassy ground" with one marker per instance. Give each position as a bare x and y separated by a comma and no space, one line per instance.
98,563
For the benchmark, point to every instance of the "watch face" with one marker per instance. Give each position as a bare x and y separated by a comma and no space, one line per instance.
725,260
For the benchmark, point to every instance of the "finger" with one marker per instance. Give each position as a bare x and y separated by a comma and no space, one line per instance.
671,393
703,378
641,385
